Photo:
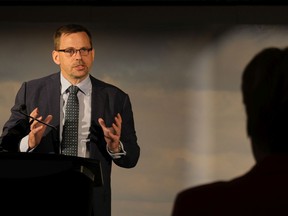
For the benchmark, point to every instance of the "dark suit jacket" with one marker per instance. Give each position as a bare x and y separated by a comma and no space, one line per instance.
107,101
261,191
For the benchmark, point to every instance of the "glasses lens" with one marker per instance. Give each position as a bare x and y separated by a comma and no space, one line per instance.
84,51
71,52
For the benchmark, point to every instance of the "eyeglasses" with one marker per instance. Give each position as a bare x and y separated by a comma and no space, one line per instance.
72,51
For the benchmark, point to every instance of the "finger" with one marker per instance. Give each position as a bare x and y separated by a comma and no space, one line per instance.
36,126
101,122
118,122
48,119
34,123
37,129
118,119
35,112
117,125
117,129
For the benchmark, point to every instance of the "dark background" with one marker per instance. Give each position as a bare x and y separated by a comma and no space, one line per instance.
143,2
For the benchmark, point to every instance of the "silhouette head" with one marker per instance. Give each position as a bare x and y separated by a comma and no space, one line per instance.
265,96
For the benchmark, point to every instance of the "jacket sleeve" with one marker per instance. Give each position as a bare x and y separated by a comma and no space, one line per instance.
17,126
128,136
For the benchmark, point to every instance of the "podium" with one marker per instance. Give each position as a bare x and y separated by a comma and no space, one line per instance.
47,184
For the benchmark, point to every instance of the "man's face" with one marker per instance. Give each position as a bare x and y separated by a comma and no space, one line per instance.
74,67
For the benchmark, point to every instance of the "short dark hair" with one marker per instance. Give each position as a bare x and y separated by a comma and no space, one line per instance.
69,29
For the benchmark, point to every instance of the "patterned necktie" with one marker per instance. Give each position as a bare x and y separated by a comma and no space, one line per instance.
70,128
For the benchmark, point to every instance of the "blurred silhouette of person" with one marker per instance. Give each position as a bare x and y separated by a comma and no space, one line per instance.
263,190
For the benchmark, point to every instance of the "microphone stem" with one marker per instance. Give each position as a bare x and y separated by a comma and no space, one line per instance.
35,119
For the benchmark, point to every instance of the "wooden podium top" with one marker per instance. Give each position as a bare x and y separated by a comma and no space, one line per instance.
28,165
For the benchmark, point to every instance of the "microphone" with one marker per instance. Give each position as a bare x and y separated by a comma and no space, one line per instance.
23,108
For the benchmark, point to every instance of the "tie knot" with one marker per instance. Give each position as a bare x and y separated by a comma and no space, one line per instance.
73,89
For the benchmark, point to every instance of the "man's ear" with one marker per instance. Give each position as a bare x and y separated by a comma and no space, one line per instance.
55,57
93,53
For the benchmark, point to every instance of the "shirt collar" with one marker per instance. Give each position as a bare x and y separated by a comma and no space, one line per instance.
84,85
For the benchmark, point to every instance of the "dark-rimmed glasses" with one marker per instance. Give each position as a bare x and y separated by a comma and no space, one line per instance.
72,51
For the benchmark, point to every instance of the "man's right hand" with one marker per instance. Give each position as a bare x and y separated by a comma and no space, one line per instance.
37,129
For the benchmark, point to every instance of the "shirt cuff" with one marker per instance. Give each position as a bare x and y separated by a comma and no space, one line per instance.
24,144
24,147
119,154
